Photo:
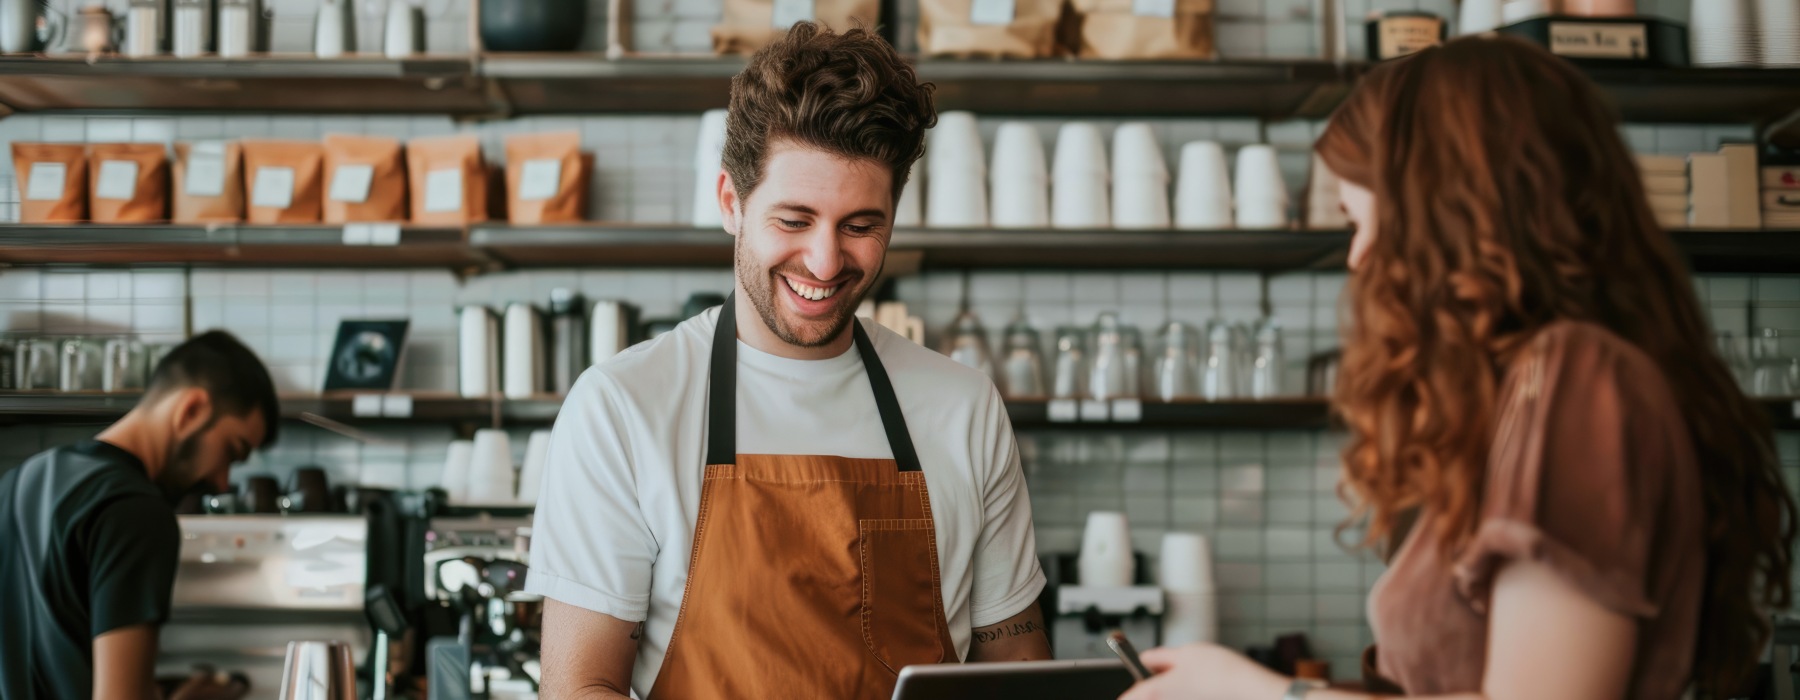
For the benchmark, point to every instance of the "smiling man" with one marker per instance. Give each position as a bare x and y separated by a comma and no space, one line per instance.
775,499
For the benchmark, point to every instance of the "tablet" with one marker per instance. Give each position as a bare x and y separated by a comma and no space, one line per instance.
1086,679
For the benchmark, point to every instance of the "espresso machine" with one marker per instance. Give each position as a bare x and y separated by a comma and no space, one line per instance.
248,585
474,567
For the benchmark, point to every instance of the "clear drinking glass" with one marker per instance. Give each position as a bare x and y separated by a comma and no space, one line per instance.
1069,381
1265,372
1178,363
1023,366
1771,376
1219,376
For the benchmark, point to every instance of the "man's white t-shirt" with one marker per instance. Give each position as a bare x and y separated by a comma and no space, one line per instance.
615,520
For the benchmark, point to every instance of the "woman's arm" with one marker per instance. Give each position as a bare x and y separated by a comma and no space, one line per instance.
1546,641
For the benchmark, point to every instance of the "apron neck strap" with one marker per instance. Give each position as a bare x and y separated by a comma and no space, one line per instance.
721,396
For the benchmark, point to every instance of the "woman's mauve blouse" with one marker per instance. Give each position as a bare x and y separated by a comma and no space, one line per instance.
1592,473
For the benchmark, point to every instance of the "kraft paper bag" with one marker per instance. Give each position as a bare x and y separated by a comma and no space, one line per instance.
748,25
546,178
209,182
284,181
449,180
130,183
989,28
365,179
53,182
1144,29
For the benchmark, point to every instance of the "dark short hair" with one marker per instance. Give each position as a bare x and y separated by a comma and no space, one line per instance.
849,94
233,377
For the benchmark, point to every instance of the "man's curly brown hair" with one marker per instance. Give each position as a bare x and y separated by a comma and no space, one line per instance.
849,94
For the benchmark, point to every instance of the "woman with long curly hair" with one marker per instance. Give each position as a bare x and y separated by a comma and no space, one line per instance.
1528,373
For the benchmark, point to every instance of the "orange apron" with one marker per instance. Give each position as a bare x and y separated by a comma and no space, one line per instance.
811,576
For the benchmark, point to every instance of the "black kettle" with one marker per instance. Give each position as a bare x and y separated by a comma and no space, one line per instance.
532,25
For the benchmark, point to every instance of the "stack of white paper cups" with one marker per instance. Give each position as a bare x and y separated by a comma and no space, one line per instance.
1140,179
455,479
1203,191
1324,204
707,161
1079,179
491,468
1262,195
956,187
1191,614
531,475
1020,179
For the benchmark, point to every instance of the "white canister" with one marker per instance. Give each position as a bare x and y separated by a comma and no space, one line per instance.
400,35
18,25
143,29
608,330
331,33
192,27
523,377
478,353
239,21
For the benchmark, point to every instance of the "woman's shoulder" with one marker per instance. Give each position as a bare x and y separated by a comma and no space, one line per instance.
1573,355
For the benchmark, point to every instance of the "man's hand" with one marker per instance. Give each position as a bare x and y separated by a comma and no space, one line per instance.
205,684
587,655
1021,637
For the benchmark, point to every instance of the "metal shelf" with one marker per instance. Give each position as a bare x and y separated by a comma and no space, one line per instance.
542,83
272,83
1275,414
680,246
228,244
497,246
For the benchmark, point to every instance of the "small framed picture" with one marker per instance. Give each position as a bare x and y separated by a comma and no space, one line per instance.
367,355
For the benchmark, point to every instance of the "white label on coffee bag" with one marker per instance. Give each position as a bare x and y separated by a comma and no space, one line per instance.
991,12
350,183
1153,8
1599,40
117,180
540,180
787,12
274,188
46,182
205,170
444,190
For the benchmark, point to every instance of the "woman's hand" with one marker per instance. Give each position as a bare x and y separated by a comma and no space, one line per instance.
1205,672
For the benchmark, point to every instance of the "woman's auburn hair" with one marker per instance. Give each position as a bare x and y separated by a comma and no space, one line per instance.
1507,201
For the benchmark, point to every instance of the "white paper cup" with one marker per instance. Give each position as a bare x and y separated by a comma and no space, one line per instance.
1140,202
955,144
531,475
1080,152
455,479
1081,201
1136,153
1259,174
1203,188
1106,556
1019,178
491,468
955,199
1186,563
707,160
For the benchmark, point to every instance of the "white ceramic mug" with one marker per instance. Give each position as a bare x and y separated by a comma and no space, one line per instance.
1019,178
491,468
478,353
708,157
531,475
1106,557
1080,181
1203,188
455,479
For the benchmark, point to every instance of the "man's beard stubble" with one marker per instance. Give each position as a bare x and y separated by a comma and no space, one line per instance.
179,476
760,284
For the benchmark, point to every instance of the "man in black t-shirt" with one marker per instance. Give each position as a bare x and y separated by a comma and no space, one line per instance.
89,558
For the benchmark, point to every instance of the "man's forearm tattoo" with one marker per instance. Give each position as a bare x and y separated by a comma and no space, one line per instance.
1016,629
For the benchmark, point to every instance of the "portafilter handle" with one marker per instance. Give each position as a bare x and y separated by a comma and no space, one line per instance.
317,670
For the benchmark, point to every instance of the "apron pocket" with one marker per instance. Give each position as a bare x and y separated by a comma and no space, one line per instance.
902,621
